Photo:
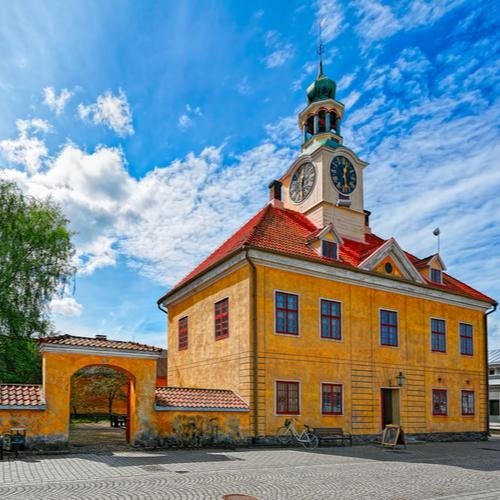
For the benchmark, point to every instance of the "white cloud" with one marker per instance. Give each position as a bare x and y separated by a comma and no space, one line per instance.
243,87
307,69
110,110
96,254
92,189
351,99
27,149
331,16
56,102
377,20
415,13
65,306
345,82
162,223
280,51
187,118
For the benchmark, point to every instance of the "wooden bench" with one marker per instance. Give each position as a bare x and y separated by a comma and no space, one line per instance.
118,420
333,434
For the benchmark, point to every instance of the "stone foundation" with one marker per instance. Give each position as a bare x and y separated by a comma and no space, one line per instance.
450,436
364,439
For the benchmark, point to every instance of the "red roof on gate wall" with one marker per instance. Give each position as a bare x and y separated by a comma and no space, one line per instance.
21,395
184,397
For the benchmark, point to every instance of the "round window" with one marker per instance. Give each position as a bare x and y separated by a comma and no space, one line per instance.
388,267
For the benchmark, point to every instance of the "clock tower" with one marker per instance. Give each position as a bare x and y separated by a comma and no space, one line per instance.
325,182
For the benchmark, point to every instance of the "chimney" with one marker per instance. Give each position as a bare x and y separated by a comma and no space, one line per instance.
100,336
275,194
367,221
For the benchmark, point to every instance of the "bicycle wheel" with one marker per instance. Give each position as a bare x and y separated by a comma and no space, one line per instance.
310,441
283,435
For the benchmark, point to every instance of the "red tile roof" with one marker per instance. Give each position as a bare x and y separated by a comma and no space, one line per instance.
288,232
71,340
21,395
180,397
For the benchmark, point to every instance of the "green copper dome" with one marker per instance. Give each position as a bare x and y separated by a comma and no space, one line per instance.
322,88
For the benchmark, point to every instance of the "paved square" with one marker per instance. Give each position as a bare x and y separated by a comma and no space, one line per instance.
423,471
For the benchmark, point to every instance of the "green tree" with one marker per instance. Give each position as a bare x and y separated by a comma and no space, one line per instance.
35,264
99,381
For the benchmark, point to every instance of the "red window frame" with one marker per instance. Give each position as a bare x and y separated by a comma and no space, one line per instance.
334,321
439,399
329,249
284,389
388,329
335,393
470,403
466,339
183,333
288,312
221,320
438,335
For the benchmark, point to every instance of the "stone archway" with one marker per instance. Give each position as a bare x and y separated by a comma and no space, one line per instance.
64,355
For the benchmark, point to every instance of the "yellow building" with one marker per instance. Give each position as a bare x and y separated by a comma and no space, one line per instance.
305,312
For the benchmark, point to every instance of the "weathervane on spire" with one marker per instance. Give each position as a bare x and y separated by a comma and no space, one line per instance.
321,47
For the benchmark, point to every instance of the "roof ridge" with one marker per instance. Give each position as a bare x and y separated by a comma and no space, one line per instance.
2,384
194,388
68,335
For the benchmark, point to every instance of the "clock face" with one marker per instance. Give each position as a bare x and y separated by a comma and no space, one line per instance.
302,182
343,175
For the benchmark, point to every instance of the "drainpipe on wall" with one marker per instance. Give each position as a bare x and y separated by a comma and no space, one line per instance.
253,327
161,308
495,305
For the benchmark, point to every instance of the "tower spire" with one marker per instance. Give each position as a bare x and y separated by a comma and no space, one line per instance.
321,49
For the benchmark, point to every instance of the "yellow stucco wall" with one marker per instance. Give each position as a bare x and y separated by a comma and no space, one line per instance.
180,423
52,424
32,420
210,363
60,366
360,363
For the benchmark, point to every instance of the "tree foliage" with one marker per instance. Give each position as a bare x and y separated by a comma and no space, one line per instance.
35,264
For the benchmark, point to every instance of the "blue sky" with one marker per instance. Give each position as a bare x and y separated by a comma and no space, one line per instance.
158,125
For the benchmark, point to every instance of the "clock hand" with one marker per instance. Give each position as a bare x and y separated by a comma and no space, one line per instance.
301,182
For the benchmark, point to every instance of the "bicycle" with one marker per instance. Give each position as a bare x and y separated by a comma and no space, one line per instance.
288,433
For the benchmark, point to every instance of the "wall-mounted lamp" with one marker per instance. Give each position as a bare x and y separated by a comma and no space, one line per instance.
440,379
467,382
401,379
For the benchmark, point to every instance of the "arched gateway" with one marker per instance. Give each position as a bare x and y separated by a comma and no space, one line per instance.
64,355
44,410
156,415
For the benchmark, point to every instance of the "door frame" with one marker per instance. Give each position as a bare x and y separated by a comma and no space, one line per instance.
392,388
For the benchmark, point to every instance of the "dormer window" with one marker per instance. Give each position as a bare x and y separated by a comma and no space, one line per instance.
436,276
329,249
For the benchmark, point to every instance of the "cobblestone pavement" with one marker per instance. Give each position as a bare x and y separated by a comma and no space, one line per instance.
423,471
